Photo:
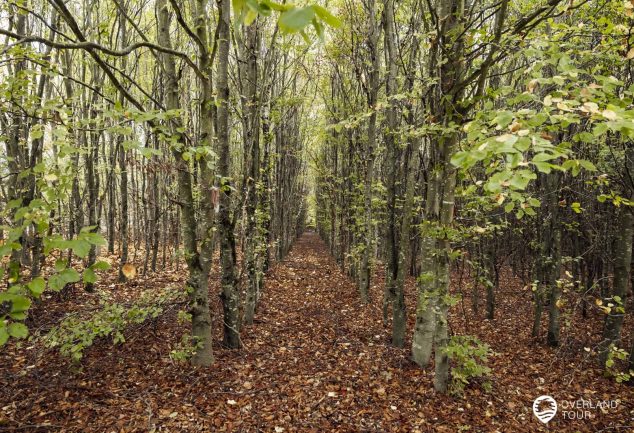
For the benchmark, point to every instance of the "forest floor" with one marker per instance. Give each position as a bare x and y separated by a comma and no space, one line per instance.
316,360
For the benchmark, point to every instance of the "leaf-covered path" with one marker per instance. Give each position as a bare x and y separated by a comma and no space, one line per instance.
326,363
316,360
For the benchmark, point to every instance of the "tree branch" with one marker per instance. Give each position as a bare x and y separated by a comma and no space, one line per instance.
92,46
188,30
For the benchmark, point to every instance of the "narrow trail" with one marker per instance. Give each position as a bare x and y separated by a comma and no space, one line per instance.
315,360
324,348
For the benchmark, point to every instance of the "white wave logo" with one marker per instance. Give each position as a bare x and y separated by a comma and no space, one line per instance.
545,408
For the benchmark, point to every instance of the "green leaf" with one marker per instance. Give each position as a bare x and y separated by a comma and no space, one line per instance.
326,16
20,304
305,37
36,133
93,238
523,144
534,202
18,330
89,276
537,120
503,119
60,265
461,159
521,179
584,137
100,266
567,165
4,335
37,286
19,315
319,29
148,152
587,165
600,129
16,289
249,18
13,204
80,247
237,6
56,282
543,167
5,250
70,275
541,157
259,8
131,144
276,6
296,19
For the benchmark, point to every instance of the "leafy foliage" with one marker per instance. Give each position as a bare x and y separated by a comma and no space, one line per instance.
292,18
616,354
469,357
75,333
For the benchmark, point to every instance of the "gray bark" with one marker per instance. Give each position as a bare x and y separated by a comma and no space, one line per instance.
373,91
198,271
230,294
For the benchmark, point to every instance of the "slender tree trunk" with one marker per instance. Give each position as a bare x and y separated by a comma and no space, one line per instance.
92,183
622,265
251,108
373,91
433,306
394,294
423,338
230,294
123,232
494,277
549,261
155,207
265,195
198,276
112,208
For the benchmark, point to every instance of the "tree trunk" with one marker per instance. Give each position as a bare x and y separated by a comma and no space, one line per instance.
198,275
622,264
394,276
433,306
423,338
373,91
123,232
230,294
251,111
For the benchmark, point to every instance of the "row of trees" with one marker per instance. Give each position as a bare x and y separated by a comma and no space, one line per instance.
491,132
173,130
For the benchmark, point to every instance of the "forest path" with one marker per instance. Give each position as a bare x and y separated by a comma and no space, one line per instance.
315,360
326,362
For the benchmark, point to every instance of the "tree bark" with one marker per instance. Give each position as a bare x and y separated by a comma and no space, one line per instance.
198,272
230,294
622,264
372,96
